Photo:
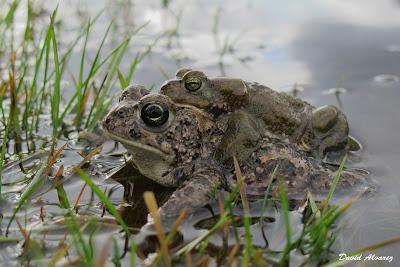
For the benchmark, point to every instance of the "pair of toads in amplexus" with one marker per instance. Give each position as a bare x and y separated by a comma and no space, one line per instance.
189,134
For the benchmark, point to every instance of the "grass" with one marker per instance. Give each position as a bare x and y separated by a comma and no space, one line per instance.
29,98
49,71
3,151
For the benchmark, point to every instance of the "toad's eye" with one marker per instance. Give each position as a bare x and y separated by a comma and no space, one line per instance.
154,114
193,84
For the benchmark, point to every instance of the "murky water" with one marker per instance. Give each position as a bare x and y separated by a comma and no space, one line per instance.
319,45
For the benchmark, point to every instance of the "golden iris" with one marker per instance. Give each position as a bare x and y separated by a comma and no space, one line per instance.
193,83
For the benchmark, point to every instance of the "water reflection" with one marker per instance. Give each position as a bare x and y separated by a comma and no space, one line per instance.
134,210
337,50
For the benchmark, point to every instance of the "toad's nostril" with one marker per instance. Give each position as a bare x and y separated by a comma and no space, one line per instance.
107,121
121,113
133,133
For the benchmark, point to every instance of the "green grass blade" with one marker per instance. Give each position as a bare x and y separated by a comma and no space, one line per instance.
36,182
88,125
56,96
285,209
101,103
104,199
265,200
132,254
33,85
122,82
336,179
116,258
62,196
90,75
45,77
9,18
75,230
80,79
132,69
83,249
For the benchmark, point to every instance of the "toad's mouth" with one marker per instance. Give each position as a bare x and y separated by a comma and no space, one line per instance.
138,146
150,161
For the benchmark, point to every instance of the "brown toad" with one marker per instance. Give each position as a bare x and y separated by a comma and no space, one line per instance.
317,130
184,147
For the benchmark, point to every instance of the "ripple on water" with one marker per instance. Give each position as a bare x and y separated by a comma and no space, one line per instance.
333,91
386,79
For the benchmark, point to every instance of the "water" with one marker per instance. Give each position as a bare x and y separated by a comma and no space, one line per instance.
319,45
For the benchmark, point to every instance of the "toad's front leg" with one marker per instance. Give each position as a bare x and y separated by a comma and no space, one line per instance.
202,181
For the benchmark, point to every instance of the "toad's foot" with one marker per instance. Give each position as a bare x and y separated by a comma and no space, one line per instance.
194,193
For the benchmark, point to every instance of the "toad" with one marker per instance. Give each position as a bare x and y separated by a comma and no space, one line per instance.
316,130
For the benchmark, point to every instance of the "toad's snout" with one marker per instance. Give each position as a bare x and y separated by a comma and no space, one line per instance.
119,117
170,87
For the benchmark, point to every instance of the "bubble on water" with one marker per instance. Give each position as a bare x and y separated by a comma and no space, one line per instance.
386,79
394,48
333,91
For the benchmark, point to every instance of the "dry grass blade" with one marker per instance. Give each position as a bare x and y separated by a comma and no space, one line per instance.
86,158
151,204
225,231
3,151
78,198
232,255
203,261
76,168
104,252
174,228
249,249
42,214
241,181
59,173
171,234
53,158
188,260
189,247
23,231
60,253
31,248
27,239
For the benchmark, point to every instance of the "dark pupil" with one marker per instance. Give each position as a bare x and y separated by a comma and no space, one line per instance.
154,114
